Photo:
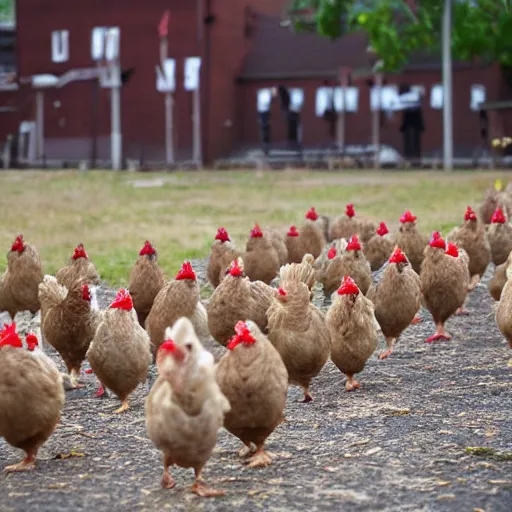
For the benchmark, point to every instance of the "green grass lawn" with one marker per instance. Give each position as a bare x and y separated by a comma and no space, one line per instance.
113,213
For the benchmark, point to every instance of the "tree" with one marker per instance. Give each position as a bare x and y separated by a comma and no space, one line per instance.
398,28
6,10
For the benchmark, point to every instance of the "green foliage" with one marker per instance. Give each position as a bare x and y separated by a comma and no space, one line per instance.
6,10
398,28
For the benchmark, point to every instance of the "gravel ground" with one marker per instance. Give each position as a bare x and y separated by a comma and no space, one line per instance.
404,442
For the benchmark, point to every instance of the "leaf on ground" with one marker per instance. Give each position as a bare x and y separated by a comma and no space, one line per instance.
373,451
398,412
57,485
72,453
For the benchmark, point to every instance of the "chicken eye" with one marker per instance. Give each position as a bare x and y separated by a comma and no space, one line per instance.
188,346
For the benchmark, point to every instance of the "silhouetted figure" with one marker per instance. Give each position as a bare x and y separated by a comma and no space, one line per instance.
412,125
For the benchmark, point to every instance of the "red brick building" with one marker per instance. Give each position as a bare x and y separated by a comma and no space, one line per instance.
243,47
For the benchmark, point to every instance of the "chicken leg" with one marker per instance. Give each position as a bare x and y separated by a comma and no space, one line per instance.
124,407
307,396
390,343
440,334
74,375
201,489
27,464
260,459
352,383
167,481
247,450
416,320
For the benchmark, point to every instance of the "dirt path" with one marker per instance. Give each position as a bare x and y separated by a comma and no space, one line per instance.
399,444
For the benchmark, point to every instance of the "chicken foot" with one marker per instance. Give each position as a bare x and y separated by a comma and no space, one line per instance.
167,481
351,383
124,407
74,375
390,343
260,459
201,489
307,396
247,450
440,334
27,464
416,320
475,280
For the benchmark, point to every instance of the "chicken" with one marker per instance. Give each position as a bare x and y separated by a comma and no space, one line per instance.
179,297
312,234
67,322
397,298
444,282
20,282
499,234
297,329
235,299
185,408
253,377
496,284
350,262
504,308
379,248
294,245
80,268
351,323
146,280
222,253
261,259
495,198
31,396
303,272
120,352
472,238
411,241
346,226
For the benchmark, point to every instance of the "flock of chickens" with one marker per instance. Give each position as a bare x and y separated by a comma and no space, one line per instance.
274,332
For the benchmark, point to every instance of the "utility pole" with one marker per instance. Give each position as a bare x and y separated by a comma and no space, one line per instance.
116,138
447,87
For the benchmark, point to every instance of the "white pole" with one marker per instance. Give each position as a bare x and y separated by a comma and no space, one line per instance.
40,125
341,115
198,158
376,121
116,140
169,103
447,87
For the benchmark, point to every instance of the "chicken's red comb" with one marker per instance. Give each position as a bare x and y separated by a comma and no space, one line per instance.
332,253
470,214
147,249
18,245
86,294
170,347
293,231
123,300
256,232
408,217
353,243
9,336
348,287
79,252
282,292
349,210
498,217
186,272
452,250
243,335
398,256
235,270
32,341
382,229
222,235
311,214
437,241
